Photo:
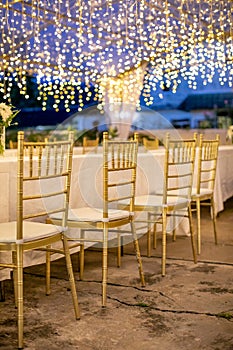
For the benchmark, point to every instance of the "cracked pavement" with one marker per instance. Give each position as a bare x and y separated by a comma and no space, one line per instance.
190,308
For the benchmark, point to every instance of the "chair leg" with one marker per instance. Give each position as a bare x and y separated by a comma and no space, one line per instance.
71,277
81,254
81,262
155,236
149,235
174,227
164,240
122,246
198,207
214,220
19,258
138,255
105,265
192,234
119,241
15,277
48,272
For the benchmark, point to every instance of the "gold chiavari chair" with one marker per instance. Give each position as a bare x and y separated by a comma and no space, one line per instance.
90,145
175,197
119,177
150,144
12,144
203,192
43,187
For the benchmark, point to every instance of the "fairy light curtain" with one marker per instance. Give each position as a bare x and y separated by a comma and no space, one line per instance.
121,98
67,42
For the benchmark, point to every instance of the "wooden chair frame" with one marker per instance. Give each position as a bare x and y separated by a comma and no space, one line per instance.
12,144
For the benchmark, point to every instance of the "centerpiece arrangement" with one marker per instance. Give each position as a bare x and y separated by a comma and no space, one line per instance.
7,114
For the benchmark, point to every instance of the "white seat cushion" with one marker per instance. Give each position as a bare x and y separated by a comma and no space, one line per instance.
31,231
156,201
92,214
203,192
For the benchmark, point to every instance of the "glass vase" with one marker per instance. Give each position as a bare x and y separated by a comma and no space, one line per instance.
2,140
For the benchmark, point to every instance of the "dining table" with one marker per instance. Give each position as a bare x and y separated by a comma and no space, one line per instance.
86,186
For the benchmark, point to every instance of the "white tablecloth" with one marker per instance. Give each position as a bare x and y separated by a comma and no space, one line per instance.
224,177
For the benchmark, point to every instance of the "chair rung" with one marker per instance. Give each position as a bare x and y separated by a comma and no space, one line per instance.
117,199
88,240
179,163
10,266
115,184
206,181
131,167
177,188
209,170
51,250
179,175
44,177
43,213
47,195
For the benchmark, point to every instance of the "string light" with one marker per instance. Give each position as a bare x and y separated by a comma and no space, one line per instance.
67,42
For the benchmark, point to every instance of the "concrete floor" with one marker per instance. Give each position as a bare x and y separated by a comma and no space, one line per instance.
190,308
